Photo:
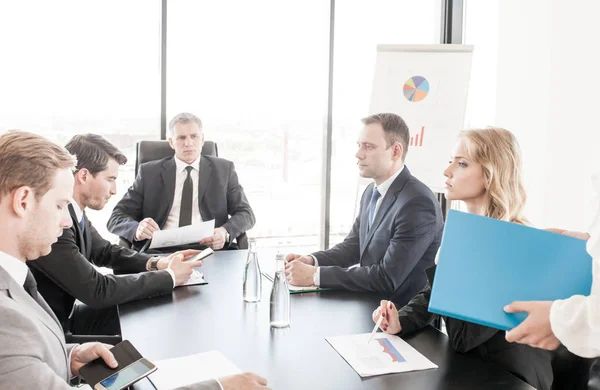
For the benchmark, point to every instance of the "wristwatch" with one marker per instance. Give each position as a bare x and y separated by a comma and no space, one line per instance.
154,263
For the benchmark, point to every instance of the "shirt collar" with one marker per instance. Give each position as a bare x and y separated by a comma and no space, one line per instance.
181,165
15,267
78,211
385,186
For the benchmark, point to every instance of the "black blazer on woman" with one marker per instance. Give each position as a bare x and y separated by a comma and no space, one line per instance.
533,365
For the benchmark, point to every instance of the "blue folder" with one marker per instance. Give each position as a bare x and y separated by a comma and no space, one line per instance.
485,264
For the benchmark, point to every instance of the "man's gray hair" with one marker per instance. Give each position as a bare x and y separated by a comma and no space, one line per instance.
184,117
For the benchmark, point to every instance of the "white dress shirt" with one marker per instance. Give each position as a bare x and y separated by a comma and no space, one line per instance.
15,268
78,211
383,189
181,175
576,321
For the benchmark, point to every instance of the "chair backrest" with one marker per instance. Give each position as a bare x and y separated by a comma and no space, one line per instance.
155,150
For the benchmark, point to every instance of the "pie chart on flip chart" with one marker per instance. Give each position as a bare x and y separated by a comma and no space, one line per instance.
416,88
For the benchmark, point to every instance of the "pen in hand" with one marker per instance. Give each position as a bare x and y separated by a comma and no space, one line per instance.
375,328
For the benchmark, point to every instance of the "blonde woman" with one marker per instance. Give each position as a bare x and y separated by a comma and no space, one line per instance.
485,173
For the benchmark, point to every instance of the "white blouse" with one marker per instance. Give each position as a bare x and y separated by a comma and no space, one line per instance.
576,321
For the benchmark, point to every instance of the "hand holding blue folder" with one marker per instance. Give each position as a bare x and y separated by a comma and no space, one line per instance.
485,264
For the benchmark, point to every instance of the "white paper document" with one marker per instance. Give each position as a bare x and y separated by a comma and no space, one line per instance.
385,354
196,278
183,235
187,370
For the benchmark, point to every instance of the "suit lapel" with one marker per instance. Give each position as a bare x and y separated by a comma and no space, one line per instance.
80,235
168,175
388,200
33,308
87,238
203,179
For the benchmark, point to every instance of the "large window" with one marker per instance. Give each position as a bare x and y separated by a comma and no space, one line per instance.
359,27
481,31
71,67
256,73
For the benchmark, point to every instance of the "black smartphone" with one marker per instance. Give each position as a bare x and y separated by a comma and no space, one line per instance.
132,367
127,376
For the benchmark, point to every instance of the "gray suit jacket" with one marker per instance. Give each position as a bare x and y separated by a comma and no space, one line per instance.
33,353
394,253
220,196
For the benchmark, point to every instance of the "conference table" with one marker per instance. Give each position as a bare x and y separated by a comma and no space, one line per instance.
212,317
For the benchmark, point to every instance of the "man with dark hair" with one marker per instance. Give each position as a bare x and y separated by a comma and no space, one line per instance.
67,273
397,232
36,184
183,190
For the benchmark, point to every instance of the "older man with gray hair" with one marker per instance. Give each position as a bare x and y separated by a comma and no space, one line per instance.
182,190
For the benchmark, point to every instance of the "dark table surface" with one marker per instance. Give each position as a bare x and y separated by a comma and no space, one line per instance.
215,317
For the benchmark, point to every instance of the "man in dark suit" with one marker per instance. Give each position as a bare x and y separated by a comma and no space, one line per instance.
67,272
183,190
36,184
397,232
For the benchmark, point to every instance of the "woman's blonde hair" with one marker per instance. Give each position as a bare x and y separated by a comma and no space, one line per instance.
497,151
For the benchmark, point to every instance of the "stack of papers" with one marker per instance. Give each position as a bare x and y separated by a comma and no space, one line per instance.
188,370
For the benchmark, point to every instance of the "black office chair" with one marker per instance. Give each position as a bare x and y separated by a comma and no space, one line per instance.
594,380
88,338
155,150
572,372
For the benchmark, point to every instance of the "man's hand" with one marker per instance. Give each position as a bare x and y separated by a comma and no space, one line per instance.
299,273
85,353
390,323
303,259
246,381
146,229
164,262
217,240
181,269
535,330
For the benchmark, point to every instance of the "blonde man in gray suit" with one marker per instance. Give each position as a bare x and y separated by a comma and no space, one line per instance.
36,186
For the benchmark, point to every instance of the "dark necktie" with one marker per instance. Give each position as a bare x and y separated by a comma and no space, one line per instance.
31,286
185,211
82,224
374,197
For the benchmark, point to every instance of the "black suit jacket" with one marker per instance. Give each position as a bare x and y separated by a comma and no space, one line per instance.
394,253
67,273
532,365
220,196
